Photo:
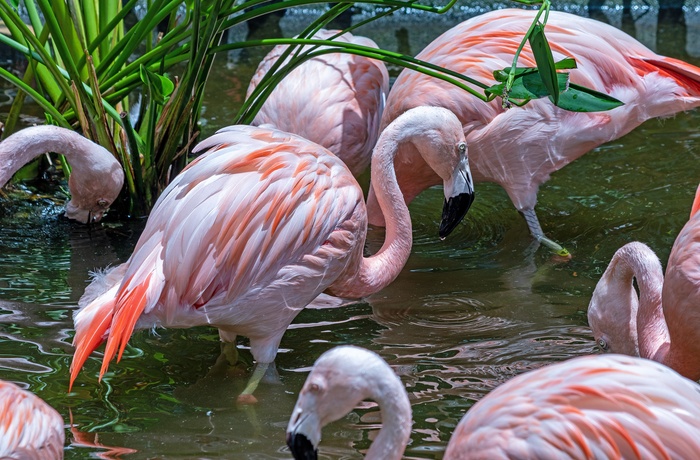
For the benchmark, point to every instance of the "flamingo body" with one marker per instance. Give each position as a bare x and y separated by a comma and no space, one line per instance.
662,321
335,100
96,176
254,230
29,427
519,148
599,406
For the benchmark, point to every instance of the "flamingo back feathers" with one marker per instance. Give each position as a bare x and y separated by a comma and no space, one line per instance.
600,406
29,427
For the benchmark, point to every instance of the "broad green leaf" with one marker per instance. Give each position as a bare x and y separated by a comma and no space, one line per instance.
545,61
528,86
160,86
566,64
581,99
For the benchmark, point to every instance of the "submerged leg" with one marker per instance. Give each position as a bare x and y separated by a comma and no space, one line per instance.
536,231
246,397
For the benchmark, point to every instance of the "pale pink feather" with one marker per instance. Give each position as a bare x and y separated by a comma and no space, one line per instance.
335,99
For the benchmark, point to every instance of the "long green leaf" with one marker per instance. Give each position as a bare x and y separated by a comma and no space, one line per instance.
545,61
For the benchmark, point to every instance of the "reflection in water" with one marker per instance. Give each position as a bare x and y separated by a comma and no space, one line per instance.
465,315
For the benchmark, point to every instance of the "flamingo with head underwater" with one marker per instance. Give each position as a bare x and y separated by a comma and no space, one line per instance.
660,319
96,176
256,228
599,406
520,147
29,427
335,99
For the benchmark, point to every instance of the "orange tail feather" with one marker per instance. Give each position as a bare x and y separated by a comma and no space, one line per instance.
129,307
696,202
89,336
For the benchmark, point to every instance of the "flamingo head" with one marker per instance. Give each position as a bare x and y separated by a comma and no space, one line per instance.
93,194
443,146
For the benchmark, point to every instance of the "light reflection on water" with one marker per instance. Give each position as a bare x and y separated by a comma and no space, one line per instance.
465,315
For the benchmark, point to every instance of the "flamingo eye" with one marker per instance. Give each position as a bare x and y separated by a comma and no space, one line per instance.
602,344
462,147
102,203
315,388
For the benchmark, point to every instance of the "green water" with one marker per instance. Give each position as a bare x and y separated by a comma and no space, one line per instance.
465,315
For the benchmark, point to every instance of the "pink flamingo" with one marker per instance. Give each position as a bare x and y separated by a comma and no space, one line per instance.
29,427
518,148
96,176
598,406
335,100
256,228
662,322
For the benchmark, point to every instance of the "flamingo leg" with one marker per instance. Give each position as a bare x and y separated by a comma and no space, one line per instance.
246,397
536,231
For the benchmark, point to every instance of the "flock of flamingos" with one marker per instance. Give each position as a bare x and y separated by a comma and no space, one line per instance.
263,221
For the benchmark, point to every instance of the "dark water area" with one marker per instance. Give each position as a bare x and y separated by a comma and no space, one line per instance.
465,315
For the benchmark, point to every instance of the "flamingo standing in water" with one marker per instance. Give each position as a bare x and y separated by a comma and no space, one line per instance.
29,427
96,176
518,148
335,100
599,406
662,322
256,228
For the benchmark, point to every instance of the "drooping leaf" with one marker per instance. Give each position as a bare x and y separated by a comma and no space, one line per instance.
581,99
545,61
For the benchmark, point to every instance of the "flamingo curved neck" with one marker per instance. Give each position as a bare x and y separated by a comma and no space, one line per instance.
25,145
395,432
377,271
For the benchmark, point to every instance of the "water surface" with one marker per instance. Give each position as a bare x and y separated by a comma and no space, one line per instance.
465,315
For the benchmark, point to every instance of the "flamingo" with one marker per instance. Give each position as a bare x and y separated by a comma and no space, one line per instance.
335,100
29,427
662,322
256,228
518,148
597,406
96,176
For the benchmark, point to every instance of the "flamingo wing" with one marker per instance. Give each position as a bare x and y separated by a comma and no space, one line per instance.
29,427
259,206
600,406
335,100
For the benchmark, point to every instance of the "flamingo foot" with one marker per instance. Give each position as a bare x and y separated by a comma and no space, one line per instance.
246,398
561,253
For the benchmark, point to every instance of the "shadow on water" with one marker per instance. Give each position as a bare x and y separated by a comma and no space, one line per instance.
465,315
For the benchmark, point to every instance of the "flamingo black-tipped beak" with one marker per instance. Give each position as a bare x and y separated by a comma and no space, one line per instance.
453,212
301,447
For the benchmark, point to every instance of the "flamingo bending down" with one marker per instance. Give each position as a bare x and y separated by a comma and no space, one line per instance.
29,427
518,148
599,406
257,227
335,100
96,176
662,322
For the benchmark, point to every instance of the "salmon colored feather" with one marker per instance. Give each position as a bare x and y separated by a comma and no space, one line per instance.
29,427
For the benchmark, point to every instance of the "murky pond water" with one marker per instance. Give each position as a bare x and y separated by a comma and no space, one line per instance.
465,315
